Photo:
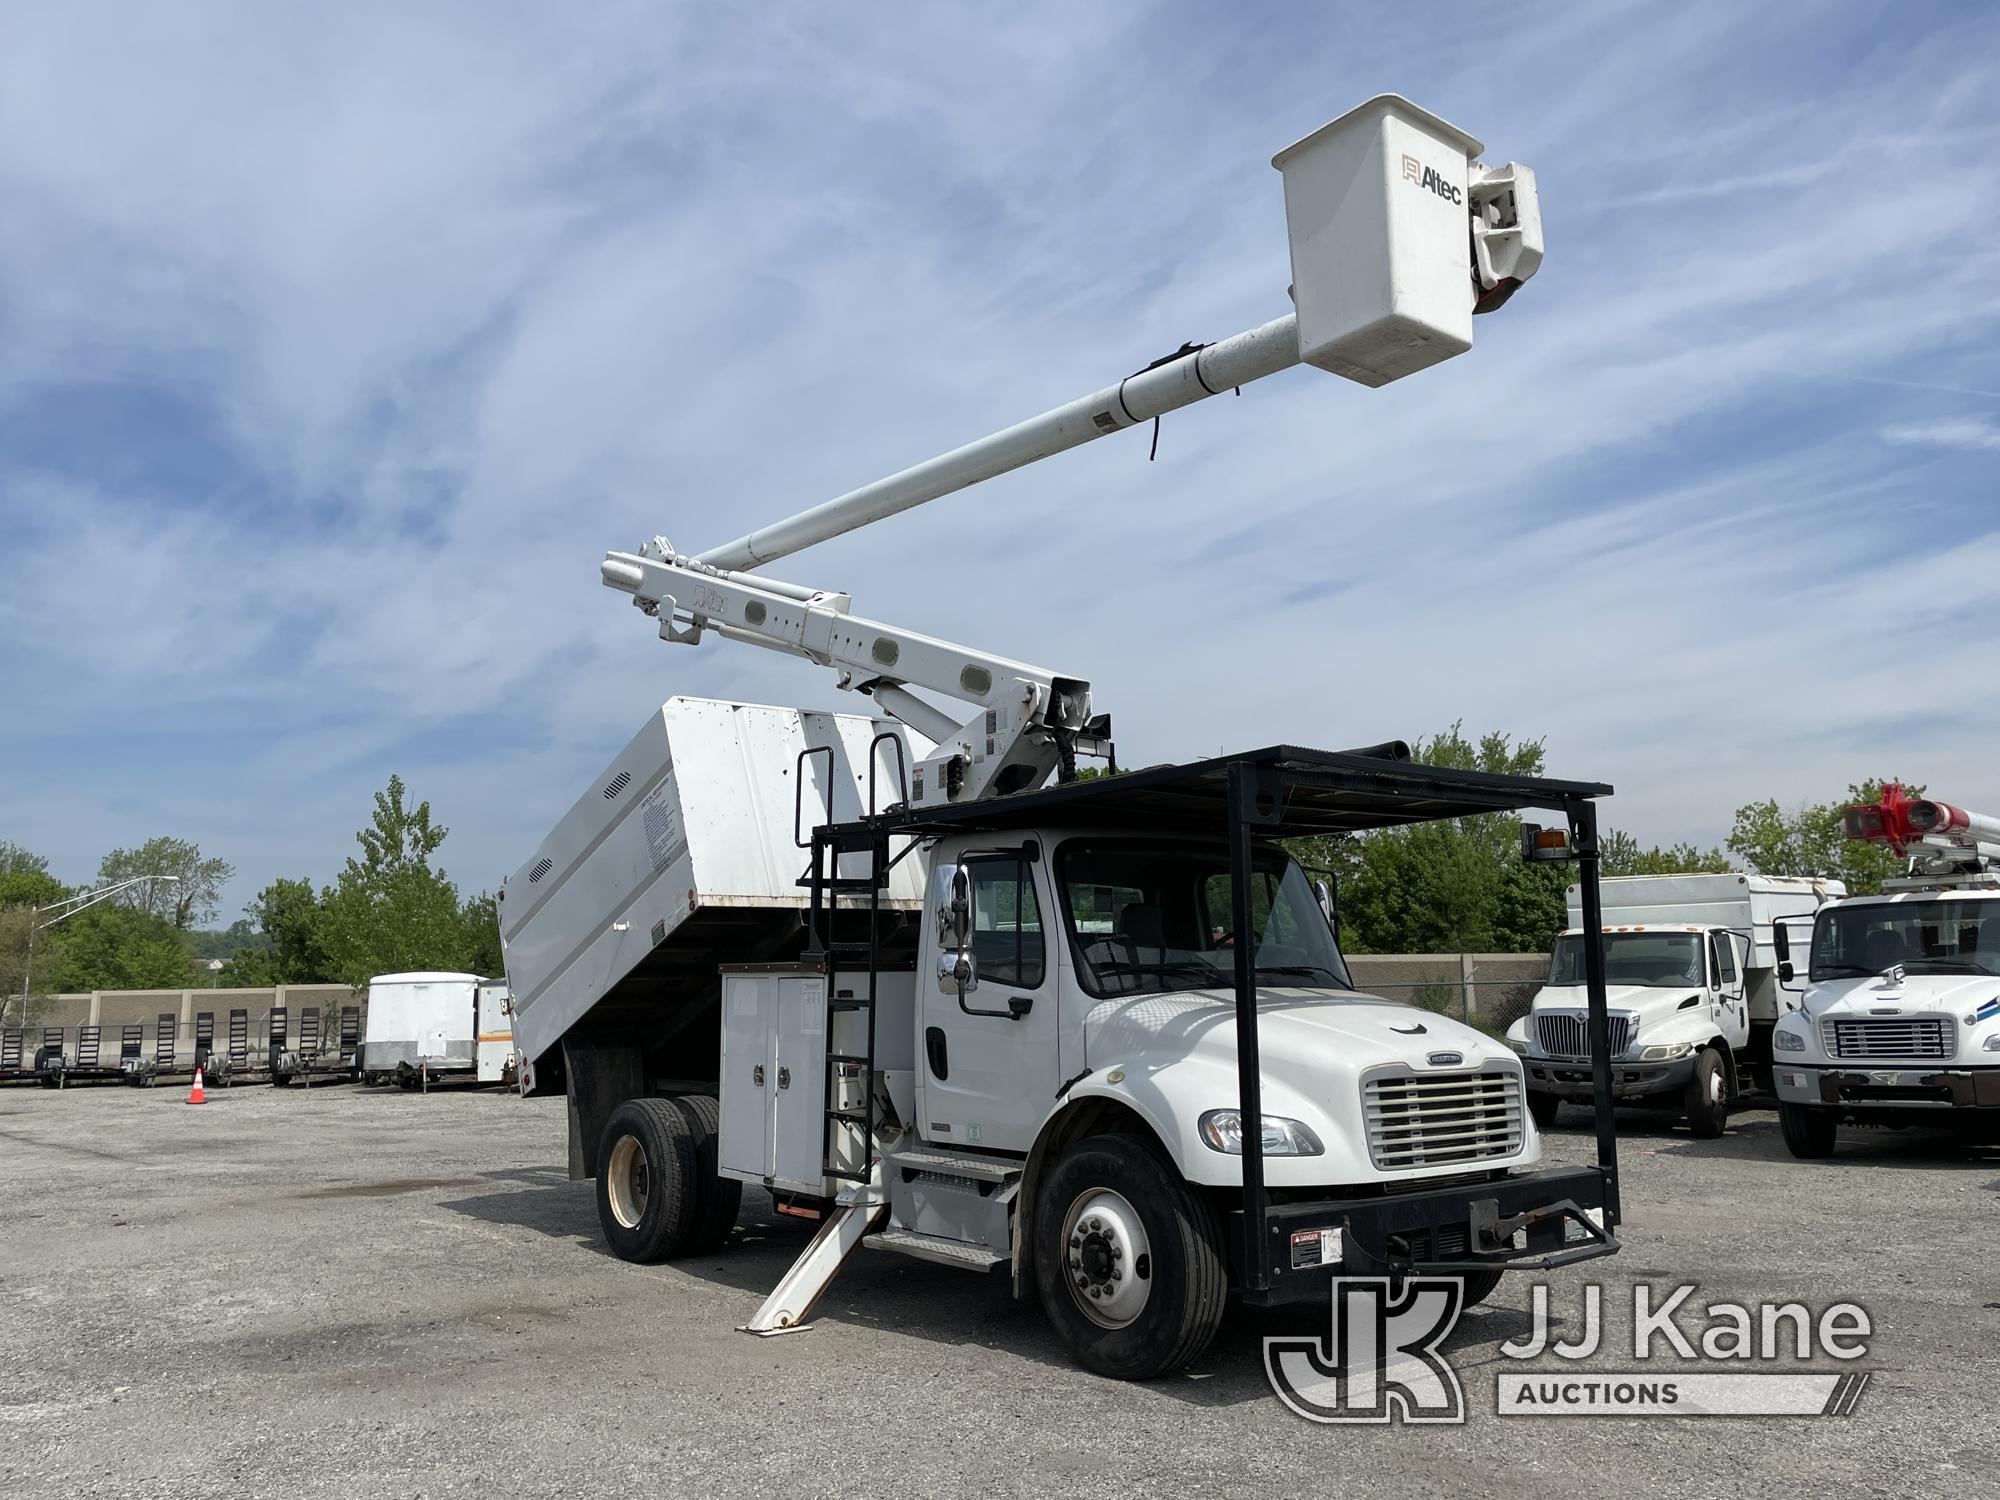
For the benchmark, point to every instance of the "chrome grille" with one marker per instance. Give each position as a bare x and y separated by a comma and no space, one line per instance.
1569,1036
1431,1119
1906,1036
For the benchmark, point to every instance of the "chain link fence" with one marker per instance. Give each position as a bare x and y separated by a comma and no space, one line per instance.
1487,990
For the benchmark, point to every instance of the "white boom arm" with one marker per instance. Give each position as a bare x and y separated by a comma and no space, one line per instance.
1398,237
1028,720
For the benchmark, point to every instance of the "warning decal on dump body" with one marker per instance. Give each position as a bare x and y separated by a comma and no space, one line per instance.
662,823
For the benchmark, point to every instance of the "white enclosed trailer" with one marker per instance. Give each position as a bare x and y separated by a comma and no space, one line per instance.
876,966
425,1026
1692,965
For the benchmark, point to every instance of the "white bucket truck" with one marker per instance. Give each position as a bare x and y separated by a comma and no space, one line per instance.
1899,1023
874,965
1692,966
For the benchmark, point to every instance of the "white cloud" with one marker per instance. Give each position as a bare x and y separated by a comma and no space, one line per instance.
1977,436
469,296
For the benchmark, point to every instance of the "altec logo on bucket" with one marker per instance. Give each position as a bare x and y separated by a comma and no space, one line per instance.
1383,1359
1430,179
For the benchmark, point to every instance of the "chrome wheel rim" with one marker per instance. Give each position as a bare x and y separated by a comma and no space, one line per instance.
625,1180
1107,1258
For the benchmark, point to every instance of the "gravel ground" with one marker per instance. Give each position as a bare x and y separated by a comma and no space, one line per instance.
322,1293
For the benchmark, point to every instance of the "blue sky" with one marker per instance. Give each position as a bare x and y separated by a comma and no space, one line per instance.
336,347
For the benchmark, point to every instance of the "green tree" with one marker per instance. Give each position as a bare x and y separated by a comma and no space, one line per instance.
1810,840
1620,854
479,951
1438,887
189,903
391,910
112,947
14,860
289,918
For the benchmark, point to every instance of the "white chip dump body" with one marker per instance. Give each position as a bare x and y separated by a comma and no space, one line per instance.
695,816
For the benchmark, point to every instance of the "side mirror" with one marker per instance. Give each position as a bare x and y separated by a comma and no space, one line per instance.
952,901
1781,942
1786,973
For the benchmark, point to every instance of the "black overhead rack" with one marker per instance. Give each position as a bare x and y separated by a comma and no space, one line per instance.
1281,791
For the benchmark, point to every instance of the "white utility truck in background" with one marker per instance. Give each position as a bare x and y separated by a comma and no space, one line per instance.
1692,967
1096,1035
1899,1022
423,1028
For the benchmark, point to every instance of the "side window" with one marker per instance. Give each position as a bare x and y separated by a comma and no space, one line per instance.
1007,942
1725,958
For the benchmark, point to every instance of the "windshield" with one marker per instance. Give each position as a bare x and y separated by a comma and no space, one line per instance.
1664,960
1925,937
1145,917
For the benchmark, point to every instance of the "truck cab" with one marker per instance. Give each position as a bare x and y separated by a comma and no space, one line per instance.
1692,1002
1898,1020
1679,1023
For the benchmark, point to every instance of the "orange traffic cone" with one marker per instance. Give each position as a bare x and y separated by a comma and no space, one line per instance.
195,1095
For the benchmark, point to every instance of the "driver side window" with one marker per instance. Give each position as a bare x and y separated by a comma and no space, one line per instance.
1007,941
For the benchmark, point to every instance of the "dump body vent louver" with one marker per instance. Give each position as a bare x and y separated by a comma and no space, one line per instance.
542,867
617,784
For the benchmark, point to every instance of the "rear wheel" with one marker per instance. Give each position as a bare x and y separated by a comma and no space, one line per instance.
1479,1285
1544,1107
1809,1133
1706,1100
717,1198
1128,1260
646,1197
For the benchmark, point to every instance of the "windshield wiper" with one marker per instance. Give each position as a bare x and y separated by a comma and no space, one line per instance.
1837,971
1948,965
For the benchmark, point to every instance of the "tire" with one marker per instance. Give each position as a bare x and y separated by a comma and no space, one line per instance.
1809,1132
1479,1285
1136,1203
1706,1099
1544,1107
646,1193
716,1198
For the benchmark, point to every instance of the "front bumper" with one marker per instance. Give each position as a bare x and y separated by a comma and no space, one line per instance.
1911,1086
1531,1222
1629,1080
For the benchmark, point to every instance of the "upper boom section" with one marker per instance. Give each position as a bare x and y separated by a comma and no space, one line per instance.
1398,236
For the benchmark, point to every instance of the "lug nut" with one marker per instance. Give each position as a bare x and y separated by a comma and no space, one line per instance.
1083,1281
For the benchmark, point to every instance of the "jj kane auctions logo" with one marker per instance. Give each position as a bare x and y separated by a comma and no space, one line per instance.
1431,180
1383,1361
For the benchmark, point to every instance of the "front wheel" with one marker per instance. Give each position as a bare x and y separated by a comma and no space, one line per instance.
1809,1133
1706,1101
1544,1107
1479,1285
1128,1260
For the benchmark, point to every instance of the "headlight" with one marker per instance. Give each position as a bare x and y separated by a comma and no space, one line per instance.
1222,1130
1992,1043
1787,1041
1666,1052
